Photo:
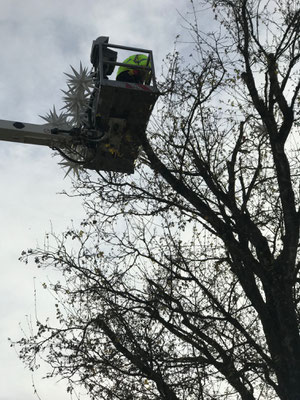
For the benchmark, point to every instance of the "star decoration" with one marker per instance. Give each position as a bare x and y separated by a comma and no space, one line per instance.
78,153
81,81
76,98
70,167
76,103
57,120
80,87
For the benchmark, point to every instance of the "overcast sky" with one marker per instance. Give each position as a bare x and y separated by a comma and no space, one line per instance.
39,40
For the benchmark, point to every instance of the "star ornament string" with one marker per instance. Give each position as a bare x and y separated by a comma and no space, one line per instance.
80,85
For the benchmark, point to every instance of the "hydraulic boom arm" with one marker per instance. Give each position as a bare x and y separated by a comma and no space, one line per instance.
21,132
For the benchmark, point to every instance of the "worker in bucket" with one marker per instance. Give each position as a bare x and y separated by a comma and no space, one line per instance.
127,74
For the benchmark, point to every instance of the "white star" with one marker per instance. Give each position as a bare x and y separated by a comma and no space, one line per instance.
70,167
76,98
76,103
55,120
81,81
80,87
77,153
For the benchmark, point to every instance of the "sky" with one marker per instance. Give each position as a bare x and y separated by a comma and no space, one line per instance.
39,41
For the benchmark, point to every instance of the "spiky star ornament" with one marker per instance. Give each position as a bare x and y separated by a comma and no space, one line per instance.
76,103
72,167
57,120
76,98
82,80
80,87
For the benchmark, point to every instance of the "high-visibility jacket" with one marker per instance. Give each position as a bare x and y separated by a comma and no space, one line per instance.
135,59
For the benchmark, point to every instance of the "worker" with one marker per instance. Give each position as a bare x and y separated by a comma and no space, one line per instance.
127,74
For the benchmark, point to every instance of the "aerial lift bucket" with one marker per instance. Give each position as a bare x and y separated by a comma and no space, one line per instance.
120,109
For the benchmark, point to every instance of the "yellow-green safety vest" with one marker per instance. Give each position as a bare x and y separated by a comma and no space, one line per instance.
135,59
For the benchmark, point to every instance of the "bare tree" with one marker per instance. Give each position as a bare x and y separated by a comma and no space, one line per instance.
183,281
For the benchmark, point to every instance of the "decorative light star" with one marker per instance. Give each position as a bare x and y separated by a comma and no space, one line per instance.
70,167
80,87
57,120
76,153
76,98
80,81
76,104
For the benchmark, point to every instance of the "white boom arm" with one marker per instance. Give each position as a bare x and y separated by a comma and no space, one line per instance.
22,132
